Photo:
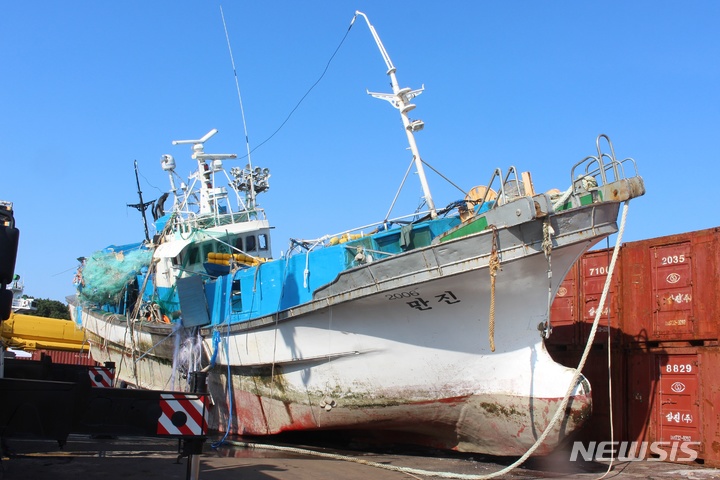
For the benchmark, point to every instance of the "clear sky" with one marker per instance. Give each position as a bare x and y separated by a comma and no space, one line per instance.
89,87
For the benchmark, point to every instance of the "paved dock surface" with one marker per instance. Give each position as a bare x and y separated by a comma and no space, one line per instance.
156,458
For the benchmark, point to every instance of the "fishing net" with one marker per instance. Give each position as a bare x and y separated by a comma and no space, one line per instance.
106,274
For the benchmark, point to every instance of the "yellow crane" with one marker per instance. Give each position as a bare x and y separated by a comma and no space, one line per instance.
28,332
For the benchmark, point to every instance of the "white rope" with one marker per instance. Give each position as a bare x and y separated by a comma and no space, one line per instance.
348,458
588,182
563,198
561,409
558,413
595,323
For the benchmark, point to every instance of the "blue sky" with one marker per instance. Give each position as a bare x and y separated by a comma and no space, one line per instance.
89,87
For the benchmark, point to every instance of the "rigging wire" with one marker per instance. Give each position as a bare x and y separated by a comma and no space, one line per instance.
327,66
443,176
287,118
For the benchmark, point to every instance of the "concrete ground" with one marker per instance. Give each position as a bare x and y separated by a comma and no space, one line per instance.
156,458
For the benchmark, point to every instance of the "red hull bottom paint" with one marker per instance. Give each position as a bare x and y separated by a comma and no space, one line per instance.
492,424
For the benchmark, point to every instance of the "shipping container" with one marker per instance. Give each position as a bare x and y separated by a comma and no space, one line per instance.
640,399
670,288
575,305
564,316
59,356
594,268
608,390
710,404
673,397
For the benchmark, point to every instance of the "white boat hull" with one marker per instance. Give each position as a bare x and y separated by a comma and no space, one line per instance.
409,355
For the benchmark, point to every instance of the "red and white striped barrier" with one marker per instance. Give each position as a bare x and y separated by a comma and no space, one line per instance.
101,376
182,414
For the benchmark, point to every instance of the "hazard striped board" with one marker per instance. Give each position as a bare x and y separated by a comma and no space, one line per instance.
182,414
101,376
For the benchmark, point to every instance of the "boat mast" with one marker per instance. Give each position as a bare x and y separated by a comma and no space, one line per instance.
208,193
400,99
142,206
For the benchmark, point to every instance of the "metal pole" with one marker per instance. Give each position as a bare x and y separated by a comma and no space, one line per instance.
198,384
193,467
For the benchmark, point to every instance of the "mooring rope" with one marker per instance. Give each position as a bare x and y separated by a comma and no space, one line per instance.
547,249
493,267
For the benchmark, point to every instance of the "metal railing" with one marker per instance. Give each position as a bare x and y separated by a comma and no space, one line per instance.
604,168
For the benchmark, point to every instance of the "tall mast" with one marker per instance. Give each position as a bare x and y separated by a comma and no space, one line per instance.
400,99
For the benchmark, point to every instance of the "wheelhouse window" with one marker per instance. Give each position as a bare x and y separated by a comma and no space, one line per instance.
263,241
250,243
193,256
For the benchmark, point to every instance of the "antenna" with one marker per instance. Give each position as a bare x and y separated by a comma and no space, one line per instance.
242,110
204,139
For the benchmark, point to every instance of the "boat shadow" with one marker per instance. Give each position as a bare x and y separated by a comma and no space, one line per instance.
386,449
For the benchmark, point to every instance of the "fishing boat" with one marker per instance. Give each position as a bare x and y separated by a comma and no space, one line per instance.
427,327
21,303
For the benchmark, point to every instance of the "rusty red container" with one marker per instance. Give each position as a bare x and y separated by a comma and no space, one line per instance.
604,385
710,404
564,316
673,397
594,268
670,288
69,358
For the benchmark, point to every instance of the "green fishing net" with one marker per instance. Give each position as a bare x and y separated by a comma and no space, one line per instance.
107,273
